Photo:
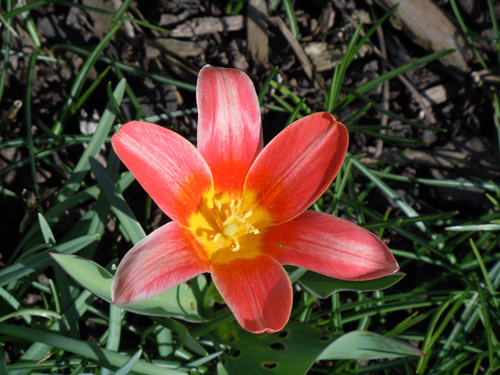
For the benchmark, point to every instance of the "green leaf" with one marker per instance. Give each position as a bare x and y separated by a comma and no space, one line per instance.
48,237
3,362
290,351
180,301
85,349
184,335
48,314
39,261
94,146
125,369
323,286
123,212
367,345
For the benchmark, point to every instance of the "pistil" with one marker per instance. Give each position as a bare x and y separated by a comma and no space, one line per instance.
231,224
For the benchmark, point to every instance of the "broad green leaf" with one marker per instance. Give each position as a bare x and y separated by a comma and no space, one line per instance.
367,345
290,351
323,286
180,301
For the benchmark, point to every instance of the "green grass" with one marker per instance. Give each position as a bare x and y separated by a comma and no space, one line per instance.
447,305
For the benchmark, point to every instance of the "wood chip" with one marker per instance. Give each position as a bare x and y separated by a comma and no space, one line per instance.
429,27
208,25
319,82
182,48
258,41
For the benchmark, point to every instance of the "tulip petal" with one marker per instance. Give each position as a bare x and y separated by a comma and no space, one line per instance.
164,259
331,246
229,125
257,290
296,167
167,166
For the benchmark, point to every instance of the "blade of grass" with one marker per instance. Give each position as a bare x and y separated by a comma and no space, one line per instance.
6,55
183,333
474,227
121,209
29,23
488,329
80,79
3,362
127,68
339,74
433,333
391,114
292,20
42,260
29,124
405,207
496,28
441,183
48,236
265,85
121,11
47,314
113,341
13,302
463,26
295,113
391,74
85,349
38,351
139,112
392,138
128,366
484,271
293,97
83,165
83,98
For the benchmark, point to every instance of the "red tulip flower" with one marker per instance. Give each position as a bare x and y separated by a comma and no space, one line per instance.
238,210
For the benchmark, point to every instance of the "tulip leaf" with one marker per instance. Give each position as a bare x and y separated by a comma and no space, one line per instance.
367,345
295,349
180,302
290,351
323,286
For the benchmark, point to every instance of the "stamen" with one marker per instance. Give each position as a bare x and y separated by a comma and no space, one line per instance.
231,224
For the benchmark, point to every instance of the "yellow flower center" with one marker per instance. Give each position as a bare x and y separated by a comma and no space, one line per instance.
230,224
221,226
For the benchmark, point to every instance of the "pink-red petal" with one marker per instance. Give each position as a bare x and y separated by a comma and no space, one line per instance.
164,259
296,167
331,246
257,290
229,125
168,167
